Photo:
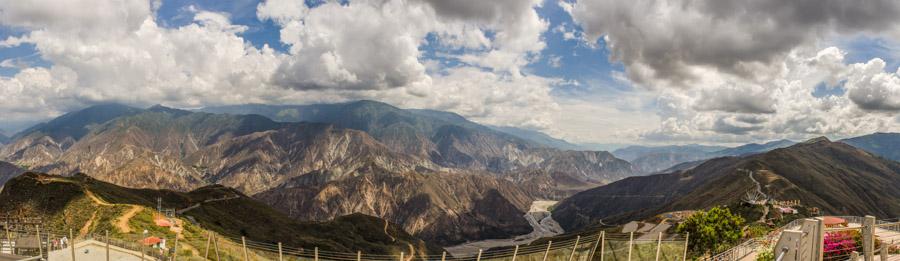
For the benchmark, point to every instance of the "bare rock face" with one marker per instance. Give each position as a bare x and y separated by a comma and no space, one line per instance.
450,141
35,150
171,149
259,161
445,208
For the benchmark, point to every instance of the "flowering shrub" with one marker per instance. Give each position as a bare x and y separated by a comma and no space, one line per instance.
839,244
892,249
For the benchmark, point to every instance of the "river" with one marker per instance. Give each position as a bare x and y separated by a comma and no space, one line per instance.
538,216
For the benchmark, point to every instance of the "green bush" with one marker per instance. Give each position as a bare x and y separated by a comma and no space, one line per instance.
712,231
766,255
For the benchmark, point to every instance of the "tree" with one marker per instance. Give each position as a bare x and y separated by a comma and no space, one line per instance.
712,231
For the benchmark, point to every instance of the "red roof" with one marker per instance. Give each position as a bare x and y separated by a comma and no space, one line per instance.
151,241
830,221
162,222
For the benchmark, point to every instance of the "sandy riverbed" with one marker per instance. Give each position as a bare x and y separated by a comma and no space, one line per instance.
538,216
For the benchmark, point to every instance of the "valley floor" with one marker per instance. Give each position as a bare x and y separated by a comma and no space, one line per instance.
538,216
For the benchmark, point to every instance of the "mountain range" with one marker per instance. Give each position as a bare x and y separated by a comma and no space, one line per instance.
449,140
833,176
441,177
886,145
648,159
437,175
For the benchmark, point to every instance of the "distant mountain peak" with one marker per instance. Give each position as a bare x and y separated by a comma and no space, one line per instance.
817,140
164,109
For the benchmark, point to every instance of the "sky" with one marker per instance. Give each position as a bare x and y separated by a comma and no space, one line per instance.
588,71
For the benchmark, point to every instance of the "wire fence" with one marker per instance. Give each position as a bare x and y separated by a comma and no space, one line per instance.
586,247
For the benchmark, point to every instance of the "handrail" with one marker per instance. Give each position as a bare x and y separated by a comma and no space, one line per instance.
729,254
781,254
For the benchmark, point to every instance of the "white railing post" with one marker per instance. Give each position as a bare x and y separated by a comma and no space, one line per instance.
72,243
37,228
216,247
572,256
547,252
594,249
208,241
658,245
687,239
515,253
244,246
630,244
107,245
479,255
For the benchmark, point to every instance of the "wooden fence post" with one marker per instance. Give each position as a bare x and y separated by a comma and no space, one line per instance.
280,252
594,249
869,238
515,253
358,255
244,244
8,237
854,256
72,243
208,241
106,232
572,255
687,239
547,252
316,254
479,255
630,244
401,256
658,245
444,256
37,229
216,247
602,244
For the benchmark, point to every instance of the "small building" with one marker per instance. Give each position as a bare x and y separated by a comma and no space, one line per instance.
834,222
787,210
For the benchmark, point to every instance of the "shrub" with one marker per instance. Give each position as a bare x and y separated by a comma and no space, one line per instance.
766,255
712,231
839,244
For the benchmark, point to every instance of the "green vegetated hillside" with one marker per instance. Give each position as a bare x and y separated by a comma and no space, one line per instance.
87,205
833,176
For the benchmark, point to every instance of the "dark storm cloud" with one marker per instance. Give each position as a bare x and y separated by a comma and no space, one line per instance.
658,40
728,126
